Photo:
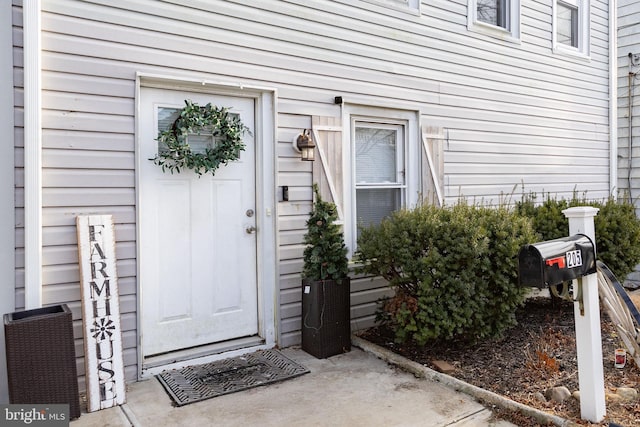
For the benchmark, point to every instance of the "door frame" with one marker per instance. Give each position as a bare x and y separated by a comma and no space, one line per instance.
266,205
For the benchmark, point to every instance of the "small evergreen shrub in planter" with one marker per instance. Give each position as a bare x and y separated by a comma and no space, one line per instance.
454,270
326,320
616,225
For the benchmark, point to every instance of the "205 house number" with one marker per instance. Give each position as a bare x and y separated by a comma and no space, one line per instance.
574,258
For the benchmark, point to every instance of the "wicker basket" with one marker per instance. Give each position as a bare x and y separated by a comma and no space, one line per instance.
41,360
326,322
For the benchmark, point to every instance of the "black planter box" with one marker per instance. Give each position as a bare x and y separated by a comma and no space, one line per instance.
41,359
326,320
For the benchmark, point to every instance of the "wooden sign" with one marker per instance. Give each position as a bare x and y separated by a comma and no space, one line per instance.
100,312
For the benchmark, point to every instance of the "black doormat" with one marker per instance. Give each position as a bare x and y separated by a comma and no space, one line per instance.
200,382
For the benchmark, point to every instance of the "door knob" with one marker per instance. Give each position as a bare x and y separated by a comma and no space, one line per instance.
250,230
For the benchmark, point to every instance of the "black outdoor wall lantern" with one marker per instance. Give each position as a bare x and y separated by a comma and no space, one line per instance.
305,145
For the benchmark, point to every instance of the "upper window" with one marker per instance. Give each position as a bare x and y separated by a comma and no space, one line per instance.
571,27
403,5
498,18
494,12
567,24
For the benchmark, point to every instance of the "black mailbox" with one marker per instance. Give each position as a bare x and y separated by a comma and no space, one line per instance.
556,261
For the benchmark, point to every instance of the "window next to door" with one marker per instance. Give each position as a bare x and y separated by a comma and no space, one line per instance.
384,162
497,18
379,169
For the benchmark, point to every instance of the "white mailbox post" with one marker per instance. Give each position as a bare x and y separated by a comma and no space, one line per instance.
587,324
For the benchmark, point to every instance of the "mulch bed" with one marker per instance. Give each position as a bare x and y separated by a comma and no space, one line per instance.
537,354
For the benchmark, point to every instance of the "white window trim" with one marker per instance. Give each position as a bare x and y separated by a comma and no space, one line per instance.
412,155
409,6
510,34
584,30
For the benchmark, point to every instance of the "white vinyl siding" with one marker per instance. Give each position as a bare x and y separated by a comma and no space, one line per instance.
514,113
629,101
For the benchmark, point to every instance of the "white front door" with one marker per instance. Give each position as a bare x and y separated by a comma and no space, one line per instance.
197,237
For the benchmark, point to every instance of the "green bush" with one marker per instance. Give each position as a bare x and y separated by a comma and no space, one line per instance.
454,270
547,218
618,236
616,225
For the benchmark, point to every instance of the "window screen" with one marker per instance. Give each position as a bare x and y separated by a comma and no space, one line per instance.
372,205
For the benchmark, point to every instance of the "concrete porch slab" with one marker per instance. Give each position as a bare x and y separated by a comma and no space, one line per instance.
352,389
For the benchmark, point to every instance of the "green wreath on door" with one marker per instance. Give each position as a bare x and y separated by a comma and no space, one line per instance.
227,129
